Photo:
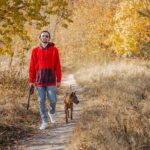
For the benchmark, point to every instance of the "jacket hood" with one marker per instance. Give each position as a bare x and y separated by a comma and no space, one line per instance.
49,45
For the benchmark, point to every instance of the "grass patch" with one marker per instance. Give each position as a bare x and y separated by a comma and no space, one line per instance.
116,113
15,121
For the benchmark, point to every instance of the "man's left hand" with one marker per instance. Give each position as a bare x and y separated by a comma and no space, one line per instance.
58,84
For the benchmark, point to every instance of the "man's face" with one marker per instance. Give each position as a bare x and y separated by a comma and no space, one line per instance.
44,37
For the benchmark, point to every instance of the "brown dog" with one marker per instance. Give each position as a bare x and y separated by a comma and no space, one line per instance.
69,99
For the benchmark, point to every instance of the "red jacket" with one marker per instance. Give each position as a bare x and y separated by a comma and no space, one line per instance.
45,68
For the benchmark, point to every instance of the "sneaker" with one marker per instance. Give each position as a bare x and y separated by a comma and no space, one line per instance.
52,117
43,126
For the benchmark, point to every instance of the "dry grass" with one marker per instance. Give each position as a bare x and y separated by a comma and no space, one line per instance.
15,121
116,107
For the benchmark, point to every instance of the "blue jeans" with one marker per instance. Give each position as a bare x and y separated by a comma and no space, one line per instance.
51,94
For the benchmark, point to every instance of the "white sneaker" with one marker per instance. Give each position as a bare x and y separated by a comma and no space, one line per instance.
52,117
43,126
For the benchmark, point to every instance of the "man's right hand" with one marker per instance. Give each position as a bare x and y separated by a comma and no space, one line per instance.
31,88
31,84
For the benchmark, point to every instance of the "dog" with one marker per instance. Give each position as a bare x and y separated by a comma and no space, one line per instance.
69,99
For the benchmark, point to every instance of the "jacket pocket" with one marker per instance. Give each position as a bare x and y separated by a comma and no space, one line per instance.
45,76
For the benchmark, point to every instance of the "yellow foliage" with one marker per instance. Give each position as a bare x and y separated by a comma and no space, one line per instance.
87,38
16,15
130,28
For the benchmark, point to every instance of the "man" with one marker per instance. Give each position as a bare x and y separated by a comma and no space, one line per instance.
45,74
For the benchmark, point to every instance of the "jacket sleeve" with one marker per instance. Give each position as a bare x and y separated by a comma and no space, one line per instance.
58,67
32,67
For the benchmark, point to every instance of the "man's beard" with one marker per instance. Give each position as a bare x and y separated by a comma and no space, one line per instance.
45,42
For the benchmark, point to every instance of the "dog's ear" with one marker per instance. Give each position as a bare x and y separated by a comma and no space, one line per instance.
72,93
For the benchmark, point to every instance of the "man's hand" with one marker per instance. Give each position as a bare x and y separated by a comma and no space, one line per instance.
58,84
31,88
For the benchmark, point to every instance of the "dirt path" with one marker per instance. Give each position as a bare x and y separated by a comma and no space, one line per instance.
56,137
